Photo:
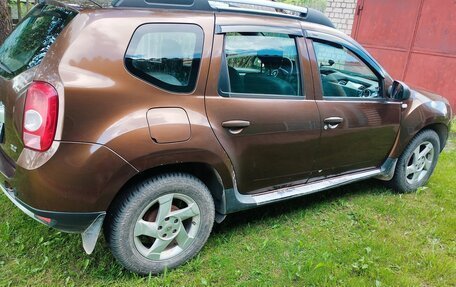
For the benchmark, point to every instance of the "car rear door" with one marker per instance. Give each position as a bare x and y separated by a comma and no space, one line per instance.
260,102
360,123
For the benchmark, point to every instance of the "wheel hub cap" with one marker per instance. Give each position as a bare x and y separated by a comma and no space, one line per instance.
169,228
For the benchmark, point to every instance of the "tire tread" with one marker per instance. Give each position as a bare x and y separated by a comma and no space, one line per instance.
398,182
122,209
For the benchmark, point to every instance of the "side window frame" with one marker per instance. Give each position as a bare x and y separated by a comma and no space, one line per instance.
224,79
378,71
196,65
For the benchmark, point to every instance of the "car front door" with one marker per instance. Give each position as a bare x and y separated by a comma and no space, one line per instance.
260,103
360,123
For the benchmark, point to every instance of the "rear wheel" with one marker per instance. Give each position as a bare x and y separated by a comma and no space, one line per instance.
417,162
160,223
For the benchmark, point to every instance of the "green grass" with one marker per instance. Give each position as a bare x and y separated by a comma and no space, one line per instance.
359,235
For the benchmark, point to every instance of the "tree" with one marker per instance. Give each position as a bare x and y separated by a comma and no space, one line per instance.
5,21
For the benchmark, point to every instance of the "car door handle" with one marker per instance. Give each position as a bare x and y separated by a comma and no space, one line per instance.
235,126
332,122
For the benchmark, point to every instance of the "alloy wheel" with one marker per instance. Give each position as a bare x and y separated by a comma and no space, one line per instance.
420,163
167,226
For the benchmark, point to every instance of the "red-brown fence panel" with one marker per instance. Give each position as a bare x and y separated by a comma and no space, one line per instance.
415,40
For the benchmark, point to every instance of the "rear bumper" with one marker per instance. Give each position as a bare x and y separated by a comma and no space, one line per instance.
77,178
70,191
73,222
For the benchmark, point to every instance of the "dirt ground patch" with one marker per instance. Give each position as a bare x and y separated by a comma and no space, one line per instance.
451,145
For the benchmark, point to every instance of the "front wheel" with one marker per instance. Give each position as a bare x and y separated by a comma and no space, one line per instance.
160,223
416,164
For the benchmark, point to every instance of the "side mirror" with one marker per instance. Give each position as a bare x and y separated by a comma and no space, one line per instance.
330,63
399,91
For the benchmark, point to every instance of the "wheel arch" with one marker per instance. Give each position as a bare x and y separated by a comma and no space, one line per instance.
416,119
441,130
203,171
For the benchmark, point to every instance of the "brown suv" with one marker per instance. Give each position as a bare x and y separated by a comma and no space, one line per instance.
154,119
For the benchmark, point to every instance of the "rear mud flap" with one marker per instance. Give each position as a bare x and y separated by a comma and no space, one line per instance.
91,234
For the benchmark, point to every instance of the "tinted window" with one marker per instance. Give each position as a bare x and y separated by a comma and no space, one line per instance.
343,74
166,55
261,64
28,43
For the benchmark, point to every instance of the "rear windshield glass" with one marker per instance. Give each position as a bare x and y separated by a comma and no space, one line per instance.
28,43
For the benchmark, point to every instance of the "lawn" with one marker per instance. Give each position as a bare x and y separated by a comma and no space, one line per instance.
359,235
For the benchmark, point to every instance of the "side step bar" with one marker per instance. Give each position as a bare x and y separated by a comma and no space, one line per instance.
235,201
285,193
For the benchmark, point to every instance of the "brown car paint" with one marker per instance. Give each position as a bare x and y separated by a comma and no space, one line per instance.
104,140
423,110
270,152
369,127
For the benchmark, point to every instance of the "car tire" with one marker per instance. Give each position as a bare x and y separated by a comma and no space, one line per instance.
160,223
416,164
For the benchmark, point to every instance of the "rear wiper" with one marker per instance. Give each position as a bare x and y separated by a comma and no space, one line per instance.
6,68
101,3
95,3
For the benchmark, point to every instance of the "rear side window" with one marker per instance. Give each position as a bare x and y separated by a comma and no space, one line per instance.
261,64
29,42
166,55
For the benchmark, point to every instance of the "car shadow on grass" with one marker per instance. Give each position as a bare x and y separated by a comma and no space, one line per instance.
62,248
101,265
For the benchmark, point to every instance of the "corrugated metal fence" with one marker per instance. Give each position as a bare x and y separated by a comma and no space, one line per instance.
415,40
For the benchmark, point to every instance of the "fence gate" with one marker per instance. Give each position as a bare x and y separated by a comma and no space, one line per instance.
415,40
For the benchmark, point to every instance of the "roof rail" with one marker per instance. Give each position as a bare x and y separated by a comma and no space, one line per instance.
276,7
245,6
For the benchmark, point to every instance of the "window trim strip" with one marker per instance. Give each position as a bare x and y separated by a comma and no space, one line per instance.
364,56
292,31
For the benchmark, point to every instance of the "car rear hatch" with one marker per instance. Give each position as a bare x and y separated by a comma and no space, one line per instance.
20,56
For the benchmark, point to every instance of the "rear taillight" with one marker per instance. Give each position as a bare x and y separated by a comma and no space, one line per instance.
40,116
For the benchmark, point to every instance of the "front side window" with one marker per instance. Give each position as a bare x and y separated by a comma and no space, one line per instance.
166,55
343,74
261,64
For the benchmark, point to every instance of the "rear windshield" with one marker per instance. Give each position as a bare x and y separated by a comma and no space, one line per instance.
29,42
